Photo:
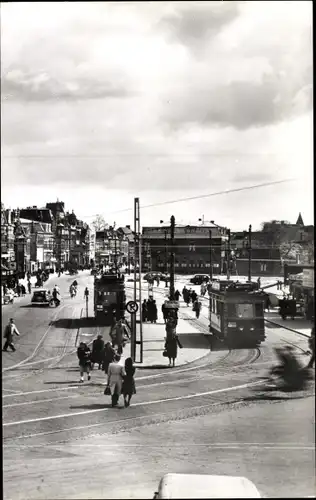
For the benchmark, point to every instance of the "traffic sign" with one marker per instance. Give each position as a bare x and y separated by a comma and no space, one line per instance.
172,304
132,307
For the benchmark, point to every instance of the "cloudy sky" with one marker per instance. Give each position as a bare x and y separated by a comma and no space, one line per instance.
103,102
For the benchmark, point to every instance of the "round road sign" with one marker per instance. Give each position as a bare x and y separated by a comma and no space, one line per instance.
132,307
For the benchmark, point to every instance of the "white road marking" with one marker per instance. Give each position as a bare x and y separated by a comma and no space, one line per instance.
268,446
144,403
79,427
40,401
43,390
38,345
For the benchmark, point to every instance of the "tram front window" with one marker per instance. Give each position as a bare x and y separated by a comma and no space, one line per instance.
241,310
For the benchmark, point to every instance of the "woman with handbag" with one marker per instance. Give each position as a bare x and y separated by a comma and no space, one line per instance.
171,348
116,375
128,387
108,356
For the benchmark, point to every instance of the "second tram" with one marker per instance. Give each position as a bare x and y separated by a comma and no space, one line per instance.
109,297
236,313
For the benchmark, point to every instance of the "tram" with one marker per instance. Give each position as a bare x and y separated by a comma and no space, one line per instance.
109,298
236,313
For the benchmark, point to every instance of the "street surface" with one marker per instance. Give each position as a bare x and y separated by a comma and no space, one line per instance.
61,439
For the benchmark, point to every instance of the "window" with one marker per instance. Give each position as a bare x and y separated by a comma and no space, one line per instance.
263,267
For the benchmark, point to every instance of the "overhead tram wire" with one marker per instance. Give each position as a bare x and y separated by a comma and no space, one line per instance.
218,193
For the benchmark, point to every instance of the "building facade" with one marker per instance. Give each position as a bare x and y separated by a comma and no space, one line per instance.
193,249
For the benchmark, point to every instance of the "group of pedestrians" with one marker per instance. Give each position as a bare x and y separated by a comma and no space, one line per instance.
190,296
149,310
120,379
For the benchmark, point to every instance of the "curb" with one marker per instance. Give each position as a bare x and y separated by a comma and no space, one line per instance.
162,367
288,328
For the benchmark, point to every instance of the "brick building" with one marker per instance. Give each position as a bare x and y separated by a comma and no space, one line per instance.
192,249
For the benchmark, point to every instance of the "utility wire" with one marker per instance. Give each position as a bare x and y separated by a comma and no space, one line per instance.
180,200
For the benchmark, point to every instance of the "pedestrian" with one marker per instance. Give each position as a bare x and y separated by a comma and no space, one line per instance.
29,287
117,334
9,330
158,281
177,294
108,356
193,296
86,293
97,352
128,387
311,343
267,303
55,295
23,290
28,275
155,311
171,347
259,282
84,356
116,374
144,311
186,296
197,308
18,289
164,311
150,309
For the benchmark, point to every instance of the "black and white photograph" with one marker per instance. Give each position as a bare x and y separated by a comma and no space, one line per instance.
157,250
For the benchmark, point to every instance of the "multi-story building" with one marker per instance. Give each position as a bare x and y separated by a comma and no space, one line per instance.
192,247
265,260
8,263
38,222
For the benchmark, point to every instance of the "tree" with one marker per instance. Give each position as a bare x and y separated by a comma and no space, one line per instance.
99,223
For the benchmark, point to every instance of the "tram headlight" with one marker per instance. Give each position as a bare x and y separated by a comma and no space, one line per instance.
241,328
252,329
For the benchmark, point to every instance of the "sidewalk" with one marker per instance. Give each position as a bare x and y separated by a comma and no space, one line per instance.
195,345
298,325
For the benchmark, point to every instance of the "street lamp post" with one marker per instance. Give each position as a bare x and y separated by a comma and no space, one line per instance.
211,270
249,253
172,257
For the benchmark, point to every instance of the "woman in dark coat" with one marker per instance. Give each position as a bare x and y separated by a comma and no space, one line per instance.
171,346
151,310
128,388
108,356
144,311
97,352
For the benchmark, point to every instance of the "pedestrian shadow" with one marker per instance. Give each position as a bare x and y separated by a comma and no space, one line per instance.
192,340
271,397
94,406
63,382
74,323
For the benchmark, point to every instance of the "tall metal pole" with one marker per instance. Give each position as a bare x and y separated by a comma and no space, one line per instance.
172,226
228,254
115,253
133,316
166,253
249,253
211,270
140,299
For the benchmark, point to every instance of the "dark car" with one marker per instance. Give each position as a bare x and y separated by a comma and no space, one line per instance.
198,279
155,275
42,297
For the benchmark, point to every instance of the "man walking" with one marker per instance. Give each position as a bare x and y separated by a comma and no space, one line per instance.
9,330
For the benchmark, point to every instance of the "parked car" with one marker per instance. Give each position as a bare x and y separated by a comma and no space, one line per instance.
205,486
154,275
198,279
42,297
